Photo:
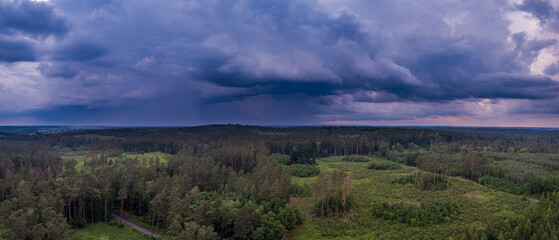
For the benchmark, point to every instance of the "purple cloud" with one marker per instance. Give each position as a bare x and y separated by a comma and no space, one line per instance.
273,62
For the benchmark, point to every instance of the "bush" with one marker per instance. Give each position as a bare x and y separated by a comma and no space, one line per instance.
420,215
355,159
290,217
282,158
300,170
383,166
502,184
299,190
425,182
406,158
409,179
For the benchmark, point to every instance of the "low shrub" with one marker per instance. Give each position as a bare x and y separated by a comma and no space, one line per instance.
301,170
355,159
383,166
419,215
408,179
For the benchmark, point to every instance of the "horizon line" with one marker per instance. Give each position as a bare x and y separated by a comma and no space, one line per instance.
271,125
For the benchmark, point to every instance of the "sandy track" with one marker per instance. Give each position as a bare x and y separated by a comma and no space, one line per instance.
137,227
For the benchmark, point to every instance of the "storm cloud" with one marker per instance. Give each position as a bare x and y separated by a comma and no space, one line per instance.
278,62
16,50
36,19
544,12
22,24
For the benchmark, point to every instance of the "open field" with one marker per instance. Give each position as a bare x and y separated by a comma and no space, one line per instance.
82,157
163,157
479,205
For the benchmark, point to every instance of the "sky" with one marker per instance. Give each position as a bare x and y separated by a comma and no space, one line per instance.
280,62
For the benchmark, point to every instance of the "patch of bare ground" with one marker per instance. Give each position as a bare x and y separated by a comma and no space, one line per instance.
345,216
411,202
292,202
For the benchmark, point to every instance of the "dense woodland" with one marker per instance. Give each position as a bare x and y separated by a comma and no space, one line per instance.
234,182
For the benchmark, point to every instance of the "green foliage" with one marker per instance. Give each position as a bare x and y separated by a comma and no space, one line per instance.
303,153
271,229
247,220
356,159
407,158
478,205
197,180
544,184
383,166
408,179
282,158
193,231
540,222
299,189
331,191
290,218
106,231
418,215
299,170
426,181
502,184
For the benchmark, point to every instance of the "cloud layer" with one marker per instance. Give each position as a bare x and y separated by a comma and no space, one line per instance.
277,62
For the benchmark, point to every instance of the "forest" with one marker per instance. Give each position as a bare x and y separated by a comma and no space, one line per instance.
251,182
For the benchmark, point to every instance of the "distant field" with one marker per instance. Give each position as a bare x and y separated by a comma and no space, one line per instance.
163,157
479,205
104,231
82,158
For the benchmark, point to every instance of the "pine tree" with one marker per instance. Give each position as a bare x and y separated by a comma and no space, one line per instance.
122,194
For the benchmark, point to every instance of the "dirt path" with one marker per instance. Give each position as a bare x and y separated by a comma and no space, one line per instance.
468,180
137,227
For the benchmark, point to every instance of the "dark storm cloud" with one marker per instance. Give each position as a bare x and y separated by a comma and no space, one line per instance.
36,19
552,69
16,50
512,86
79,51
22,22
260,61
57,70
433,67
543,11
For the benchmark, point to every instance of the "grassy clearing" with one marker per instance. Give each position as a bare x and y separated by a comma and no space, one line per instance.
163,157
108,232
479,205
81,158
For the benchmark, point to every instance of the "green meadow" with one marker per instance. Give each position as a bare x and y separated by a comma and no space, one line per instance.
82,158
479,205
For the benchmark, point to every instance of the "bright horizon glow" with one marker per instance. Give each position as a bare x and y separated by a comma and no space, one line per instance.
452,122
